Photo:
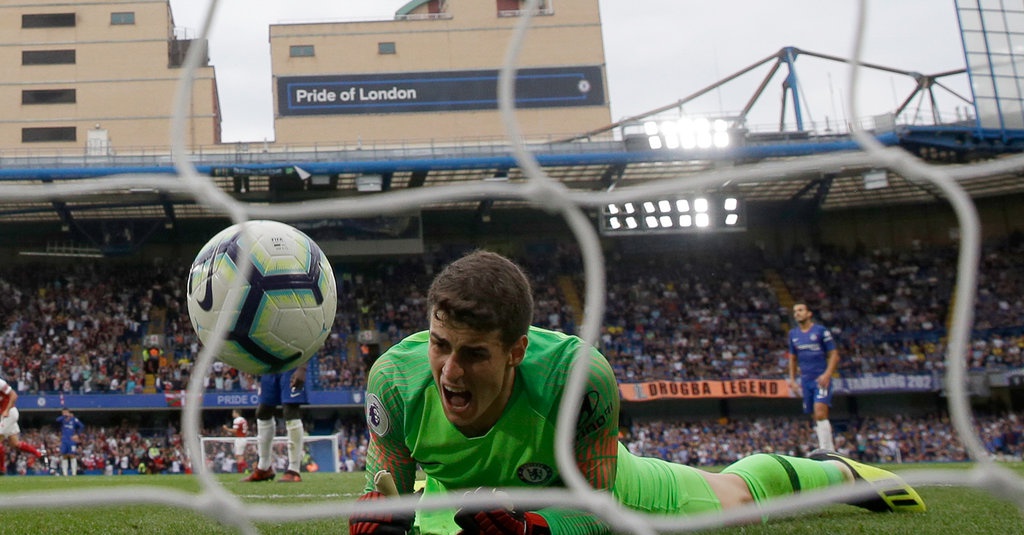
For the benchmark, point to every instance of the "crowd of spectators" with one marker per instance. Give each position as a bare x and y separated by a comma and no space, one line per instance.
110,450
694,314
876,439
126,449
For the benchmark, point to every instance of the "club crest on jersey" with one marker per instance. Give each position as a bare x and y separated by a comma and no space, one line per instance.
377,416
535,473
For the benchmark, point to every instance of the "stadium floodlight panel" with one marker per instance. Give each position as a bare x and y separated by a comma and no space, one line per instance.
688,133
682,213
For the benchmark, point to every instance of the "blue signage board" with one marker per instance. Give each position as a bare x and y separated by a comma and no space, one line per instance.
171,400
437,91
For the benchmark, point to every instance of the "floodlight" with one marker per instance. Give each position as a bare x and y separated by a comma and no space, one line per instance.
669,129
688,140
704,139
655,142
651,128
369,183
682,213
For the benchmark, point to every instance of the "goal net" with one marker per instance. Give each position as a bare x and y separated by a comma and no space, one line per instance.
320,453
544,193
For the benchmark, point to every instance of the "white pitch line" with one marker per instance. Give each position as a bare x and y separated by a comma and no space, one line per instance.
278,496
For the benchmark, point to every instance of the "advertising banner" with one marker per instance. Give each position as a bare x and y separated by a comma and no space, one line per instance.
437,91
745,388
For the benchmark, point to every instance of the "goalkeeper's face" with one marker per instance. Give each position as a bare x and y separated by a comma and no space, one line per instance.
474,374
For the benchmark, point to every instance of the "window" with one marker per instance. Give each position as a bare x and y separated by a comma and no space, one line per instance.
48,20
48,96
47,57
301,51
52,133
386,47
516,8
126,17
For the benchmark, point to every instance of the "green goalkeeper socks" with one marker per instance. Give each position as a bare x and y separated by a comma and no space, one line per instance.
769,475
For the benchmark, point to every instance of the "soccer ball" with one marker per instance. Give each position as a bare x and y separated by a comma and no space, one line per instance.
286,307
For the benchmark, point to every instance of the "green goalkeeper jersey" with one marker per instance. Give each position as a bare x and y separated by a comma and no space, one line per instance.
409,428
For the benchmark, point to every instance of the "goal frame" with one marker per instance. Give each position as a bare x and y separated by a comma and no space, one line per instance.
322,448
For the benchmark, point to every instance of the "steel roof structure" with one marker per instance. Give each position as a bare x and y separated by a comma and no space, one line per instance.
612,157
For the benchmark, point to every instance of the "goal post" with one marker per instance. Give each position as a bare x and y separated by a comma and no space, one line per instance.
218,453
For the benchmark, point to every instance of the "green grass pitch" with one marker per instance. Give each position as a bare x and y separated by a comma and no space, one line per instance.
950,509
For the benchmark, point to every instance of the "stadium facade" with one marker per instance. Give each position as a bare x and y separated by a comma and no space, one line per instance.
429,75
99,77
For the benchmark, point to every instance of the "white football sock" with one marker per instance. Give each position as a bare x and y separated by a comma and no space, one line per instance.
825,435
295,433
264,440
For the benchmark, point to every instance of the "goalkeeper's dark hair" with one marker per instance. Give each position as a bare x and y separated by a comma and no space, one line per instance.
483,291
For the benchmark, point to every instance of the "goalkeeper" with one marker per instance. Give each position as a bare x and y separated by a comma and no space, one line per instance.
474,402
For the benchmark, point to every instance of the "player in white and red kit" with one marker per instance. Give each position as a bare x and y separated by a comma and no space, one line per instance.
240,430
9,425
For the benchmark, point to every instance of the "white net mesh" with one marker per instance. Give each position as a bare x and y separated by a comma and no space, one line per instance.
546,194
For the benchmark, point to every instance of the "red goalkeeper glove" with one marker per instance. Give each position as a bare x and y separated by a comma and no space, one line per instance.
505,521
379,523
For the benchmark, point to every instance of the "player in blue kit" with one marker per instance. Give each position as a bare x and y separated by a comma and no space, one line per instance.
288,391
70,435
812,349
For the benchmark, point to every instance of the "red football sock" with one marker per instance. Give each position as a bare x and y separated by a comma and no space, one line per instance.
29,449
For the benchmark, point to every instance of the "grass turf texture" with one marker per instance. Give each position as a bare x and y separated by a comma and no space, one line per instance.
950,509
